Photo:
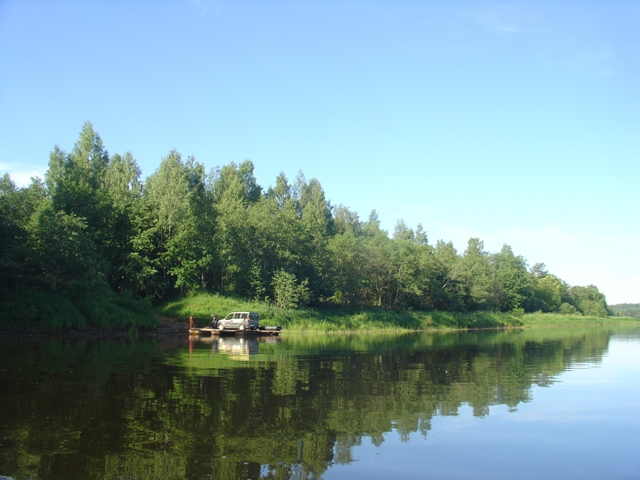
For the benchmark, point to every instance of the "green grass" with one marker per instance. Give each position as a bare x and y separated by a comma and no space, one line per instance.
36,311
334,319
558,320
77,307
330,319
84,306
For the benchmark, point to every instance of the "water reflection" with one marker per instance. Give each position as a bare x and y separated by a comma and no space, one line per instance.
239,347
231,407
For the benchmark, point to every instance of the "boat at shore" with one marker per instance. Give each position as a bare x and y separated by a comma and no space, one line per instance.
237,323
260,332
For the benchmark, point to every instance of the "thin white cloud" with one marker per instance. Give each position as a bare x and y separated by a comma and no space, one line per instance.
202,6
503,19
21,175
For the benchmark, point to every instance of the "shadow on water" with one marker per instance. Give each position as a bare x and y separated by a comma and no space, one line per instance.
255,408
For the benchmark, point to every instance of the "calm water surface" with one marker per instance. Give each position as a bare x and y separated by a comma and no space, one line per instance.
515,405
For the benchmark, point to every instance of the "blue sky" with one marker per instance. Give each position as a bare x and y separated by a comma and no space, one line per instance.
514,122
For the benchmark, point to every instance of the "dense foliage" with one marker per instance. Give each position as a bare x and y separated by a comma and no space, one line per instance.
94,237
626,310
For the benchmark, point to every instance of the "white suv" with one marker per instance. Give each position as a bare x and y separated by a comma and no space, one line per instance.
239,322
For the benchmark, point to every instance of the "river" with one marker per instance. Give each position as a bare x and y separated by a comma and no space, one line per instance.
540,403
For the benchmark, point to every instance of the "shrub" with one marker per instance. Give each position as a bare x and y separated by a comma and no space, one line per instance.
568,309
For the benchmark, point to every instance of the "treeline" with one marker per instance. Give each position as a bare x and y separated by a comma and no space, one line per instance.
93,225
626,310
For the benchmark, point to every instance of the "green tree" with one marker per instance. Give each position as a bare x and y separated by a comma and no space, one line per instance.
281,193
79,184
428,283
588,300
16,208
287,292
234,191
275,230
76,180
317,225
377,267
478,276
539,270
346,220
348,261
406,274
123,190
61,249
448,288
403,232
181,218
11,228
236,180
547,294
626,310
515,281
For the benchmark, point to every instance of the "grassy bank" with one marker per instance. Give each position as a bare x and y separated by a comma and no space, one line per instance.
79,308
557,320
93,308
202,305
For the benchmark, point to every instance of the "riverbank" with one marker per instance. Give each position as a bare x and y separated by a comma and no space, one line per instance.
550,320
335,319
328,319
365,322
171,319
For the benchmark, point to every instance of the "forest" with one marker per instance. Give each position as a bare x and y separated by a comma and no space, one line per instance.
625,310
94,244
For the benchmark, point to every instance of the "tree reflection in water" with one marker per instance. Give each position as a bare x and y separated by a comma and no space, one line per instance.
253,407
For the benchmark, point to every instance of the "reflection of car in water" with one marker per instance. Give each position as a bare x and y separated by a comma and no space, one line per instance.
239,322
236,345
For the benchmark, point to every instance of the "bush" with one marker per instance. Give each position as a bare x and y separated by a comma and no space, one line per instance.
287,292
37,311
568,309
